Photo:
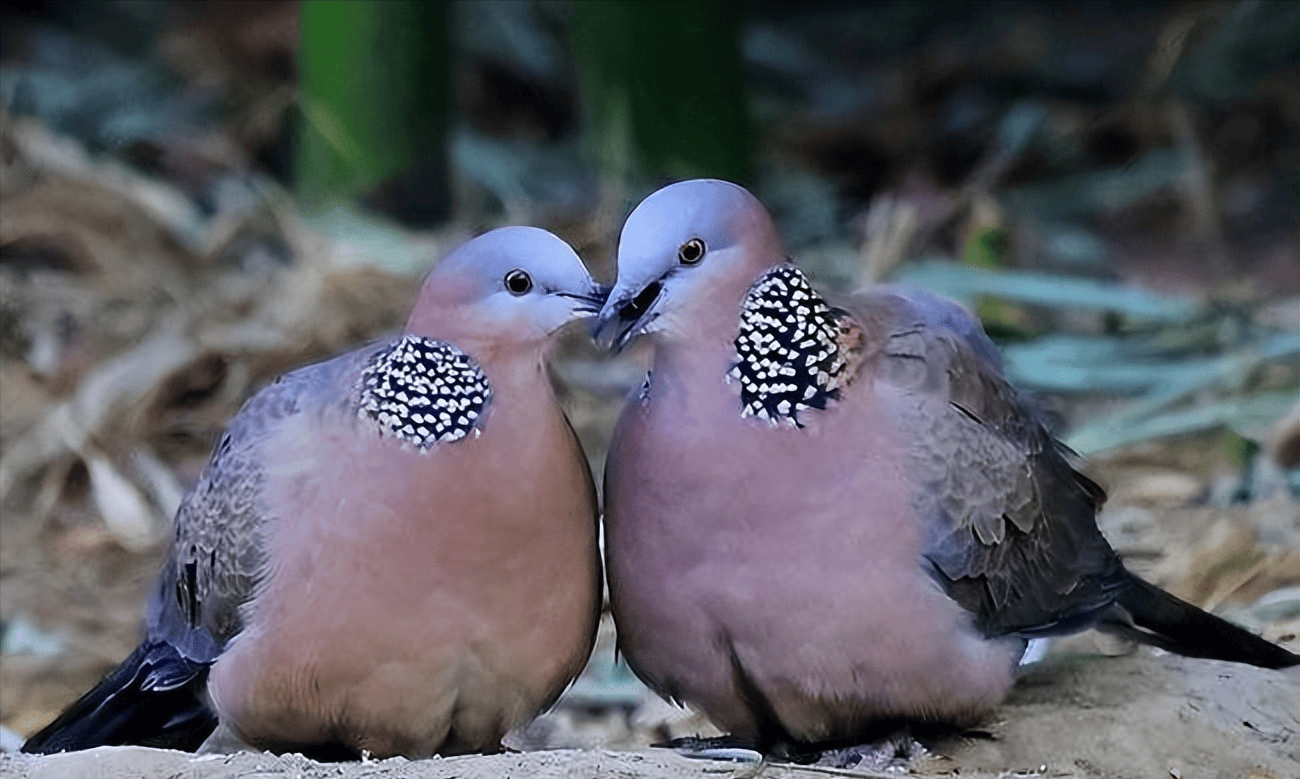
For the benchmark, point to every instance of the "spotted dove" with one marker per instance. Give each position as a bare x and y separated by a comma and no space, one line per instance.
393,551
821,517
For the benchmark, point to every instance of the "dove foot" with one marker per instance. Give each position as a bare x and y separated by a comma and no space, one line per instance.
726,748
891,752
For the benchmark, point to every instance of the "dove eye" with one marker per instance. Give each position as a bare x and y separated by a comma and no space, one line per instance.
518,282
691,252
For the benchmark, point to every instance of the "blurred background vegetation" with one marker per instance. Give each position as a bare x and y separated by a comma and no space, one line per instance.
198,196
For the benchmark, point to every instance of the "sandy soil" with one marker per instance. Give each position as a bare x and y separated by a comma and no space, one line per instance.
1073,715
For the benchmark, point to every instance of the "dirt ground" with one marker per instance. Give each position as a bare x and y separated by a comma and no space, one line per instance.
1085,716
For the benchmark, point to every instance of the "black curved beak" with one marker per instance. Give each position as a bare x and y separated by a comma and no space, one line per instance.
624,319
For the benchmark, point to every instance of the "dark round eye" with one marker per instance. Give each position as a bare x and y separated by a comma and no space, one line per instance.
691,252
518,282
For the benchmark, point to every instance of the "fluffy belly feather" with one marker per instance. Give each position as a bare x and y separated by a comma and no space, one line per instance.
398,624
795,596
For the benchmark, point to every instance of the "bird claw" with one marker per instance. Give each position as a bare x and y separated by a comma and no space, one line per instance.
725,748
894,751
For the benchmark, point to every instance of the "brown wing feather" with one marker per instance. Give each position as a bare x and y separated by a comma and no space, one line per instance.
1011,527
217,555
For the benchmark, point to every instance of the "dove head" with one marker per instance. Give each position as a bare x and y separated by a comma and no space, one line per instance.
686,257
513,285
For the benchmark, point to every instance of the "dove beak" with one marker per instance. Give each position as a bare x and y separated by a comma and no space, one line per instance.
626,316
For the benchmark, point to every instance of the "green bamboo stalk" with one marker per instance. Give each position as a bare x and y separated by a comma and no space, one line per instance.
663,85
374,96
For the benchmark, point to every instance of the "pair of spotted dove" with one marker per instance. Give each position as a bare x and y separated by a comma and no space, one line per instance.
818,518
391,552
822,516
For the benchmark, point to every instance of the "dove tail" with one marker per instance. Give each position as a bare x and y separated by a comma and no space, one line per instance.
154,698
1162,620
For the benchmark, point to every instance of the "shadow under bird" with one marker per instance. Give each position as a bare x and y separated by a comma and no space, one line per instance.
823,517
393,551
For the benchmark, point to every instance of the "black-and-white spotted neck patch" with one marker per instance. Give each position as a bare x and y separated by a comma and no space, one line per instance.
794,350
424,392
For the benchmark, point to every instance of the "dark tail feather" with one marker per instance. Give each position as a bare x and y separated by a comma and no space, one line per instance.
1177,626
154,698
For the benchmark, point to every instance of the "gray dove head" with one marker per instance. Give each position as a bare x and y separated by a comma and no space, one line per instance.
686,257
513,284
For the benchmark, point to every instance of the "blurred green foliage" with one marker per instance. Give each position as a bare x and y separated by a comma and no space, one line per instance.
374,80
990,248
662,82
664,87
